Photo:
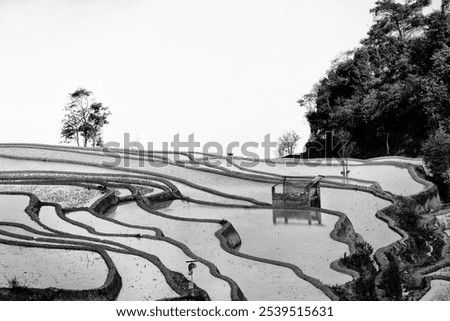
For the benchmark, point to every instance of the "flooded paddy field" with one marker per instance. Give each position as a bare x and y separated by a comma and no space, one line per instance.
289,236
200,238
64,195
440,291
184,212
171,256
12,209
42,268
396,180
360,208
142,280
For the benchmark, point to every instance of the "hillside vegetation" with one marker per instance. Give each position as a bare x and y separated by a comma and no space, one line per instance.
392,92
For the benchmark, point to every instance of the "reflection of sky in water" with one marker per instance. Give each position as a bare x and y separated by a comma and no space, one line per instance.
41,268
259,191
393,179
310,247
361,208
12,209
440,291
201,239
141,279
298,237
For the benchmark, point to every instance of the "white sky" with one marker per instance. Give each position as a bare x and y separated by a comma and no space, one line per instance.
224,70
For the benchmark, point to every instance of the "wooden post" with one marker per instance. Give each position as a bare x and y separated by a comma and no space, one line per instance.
191,268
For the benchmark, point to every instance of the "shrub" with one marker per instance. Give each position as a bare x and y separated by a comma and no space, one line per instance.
13,283
361,259
362,262
436,151
391,281
365,288
407,217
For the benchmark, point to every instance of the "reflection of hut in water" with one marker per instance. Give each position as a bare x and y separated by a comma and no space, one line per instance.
293,194
290,216
296,193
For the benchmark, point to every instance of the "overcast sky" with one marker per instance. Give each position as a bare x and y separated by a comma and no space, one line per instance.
225,70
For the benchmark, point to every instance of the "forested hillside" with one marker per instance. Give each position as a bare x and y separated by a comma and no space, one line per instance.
392,93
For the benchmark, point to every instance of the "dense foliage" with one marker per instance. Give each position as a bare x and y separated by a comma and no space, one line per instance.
361,261
391,281
393,91
436,153
84,119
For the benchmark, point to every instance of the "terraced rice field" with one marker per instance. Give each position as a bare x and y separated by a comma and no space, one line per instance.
70,269
287,242
71,219
440,291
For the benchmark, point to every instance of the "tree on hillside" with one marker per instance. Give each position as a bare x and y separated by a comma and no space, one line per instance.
399,20
286,143
393,90
84,119
348,149
436,154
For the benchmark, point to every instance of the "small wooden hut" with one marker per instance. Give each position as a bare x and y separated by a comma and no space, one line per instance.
295,193
291,197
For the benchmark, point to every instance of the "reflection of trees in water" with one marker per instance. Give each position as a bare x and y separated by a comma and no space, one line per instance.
289,216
